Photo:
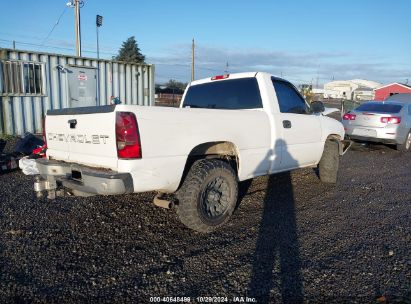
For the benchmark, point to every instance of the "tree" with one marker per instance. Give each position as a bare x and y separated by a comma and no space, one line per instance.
176,85
130,52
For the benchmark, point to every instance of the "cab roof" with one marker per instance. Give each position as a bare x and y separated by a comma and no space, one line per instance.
223,77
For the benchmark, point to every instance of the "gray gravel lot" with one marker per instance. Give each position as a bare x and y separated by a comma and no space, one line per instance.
292,239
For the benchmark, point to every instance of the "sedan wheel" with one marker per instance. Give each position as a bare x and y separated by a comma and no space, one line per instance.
406,146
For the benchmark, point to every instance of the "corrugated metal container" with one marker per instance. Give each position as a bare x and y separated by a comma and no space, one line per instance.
23,103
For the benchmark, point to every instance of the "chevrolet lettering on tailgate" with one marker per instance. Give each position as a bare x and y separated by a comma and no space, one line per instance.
95,139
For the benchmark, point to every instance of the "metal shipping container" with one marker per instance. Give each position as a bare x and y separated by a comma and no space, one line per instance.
33,82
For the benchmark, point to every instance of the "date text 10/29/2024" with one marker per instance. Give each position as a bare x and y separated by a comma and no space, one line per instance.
235,299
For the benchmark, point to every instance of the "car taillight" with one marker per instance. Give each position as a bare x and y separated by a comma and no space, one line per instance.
127,135
349,116
391,120
218,77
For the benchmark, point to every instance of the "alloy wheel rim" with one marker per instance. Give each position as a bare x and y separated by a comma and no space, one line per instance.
408,143
215,199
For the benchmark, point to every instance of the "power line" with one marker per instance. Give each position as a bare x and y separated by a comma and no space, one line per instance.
54,47
55,24
188,65
198,66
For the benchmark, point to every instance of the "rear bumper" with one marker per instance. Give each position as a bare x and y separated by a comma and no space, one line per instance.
373,139
388,135
82,180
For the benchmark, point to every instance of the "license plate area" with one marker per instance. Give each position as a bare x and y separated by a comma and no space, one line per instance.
364,132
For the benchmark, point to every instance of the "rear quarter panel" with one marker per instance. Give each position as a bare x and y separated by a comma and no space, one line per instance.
168,135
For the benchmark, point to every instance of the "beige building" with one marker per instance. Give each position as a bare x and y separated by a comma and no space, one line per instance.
355,89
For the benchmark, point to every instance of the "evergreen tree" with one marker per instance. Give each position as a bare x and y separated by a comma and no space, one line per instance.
177,85
130,52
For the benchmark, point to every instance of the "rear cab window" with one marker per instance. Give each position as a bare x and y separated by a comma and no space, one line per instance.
380,108
231,94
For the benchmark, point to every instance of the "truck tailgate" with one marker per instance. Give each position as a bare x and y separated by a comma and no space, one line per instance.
57,141
83,135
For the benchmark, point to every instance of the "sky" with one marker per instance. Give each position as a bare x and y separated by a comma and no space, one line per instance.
303,41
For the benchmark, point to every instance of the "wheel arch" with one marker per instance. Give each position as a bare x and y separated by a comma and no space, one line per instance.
333,137
336,138
223,150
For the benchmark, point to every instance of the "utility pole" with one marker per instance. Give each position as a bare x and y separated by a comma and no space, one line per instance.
77,4
192,60
226,68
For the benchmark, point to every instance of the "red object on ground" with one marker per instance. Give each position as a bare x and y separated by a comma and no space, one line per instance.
40,151
390,89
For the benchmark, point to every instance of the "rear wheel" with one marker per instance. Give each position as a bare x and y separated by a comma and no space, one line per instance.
330,162
208,195
406,146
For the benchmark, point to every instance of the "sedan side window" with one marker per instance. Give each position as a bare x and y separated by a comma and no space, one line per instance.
289,100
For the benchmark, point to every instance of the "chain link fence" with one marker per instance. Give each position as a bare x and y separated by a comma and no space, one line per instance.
343,105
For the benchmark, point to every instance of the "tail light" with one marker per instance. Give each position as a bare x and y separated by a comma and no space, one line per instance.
349,116
391,120
127,135
219,77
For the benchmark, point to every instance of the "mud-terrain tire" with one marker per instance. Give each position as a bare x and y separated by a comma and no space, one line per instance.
329,163
208,195
406,146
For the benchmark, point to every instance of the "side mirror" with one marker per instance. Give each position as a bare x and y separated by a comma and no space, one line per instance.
317,107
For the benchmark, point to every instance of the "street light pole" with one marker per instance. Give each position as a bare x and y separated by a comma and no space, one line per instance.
192,61
98,48
99,22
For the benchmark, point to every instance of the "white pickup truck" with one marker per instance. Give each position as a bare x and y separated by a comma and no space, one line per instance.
228,128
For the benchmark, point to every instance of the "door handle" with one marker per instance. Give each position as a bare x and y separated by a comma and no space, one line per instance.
286,124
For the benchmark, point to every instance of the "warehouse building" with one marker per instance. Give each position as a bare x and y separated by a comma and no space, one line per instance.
355,89
32,83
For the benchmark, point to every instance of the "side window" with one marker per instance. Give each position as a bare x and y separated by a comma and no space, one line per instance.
290,101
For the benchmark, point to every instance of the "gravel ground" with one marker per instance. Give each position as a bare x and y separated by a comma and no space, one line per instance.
292,239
